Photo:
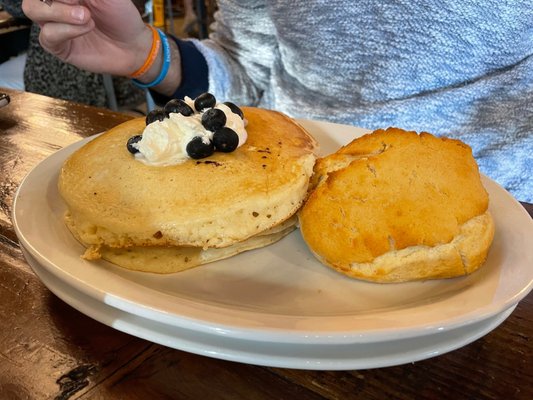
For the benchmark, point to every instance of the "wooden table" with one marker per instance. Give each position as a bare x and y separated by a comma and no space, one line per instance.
48,350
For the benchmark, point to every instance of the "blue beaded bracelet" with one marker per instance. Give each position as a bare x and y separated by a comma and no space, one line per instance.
164,69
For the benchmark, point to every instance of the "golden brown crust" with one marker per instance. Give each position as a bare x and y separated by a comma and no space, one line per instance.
118,201
389,191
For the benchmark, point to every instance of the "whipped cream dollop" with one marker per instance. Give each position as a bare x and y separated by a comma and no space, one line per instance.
165,142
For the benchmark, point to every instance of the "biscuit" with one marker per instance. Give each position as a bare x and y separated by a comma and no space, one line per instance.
396,206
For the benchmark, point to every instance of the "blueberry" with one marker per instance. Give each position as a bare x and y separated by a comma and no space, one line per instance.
234,108
213,119
205,100
155,115
179,107
131,141
196,148
225,140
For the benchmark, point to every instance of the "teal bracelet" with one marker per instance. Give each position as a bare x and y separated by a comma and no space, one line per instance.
164,69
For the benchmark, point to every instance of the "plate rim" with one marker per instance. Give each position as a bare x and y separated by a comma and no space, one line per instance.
470,333
340,336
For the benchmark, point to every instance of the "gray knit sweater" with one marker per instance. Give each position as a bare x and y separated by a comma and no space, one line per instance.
458,68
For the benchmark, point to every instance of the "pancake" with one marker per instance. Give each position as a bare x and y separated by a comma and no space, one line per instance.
395,206
115,201
170,259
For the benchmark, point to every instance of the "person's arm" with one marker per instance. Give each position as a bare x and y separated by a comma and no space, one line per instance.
187,77
235,62
172,79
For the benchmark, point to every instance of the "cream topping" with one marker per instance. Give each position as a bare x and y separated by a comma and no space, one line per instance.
165,142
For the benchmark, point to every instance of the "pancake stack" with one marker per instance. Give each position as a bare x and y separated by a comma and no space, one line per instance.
166,219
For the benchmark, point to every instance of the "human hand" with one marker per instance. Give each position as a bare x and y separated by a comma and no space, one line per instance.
102,36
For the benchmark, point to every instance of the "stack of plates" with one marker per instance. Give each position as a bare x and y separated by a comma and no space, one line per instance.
278,306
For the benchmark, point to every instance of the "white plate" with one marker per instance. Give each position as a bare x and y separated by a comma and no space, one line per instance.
301,356
281,294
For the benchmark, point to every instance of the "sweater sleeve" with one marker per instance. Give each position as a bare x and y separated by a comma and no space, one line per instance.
241,51
235,62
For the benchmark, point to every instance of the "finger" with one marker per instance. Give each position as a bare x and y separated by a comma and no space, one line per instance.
55,37
65,11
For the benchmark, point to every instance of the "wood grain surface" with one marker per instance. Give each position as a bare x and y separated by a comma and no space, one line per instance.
48,350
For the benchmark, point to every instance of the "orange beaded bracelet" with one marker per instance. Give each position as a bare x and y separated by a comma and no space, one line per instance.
156,44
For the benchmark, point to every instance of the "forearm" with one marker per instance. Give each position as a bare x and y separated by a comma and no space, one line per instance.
187,74
173,78
234,64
